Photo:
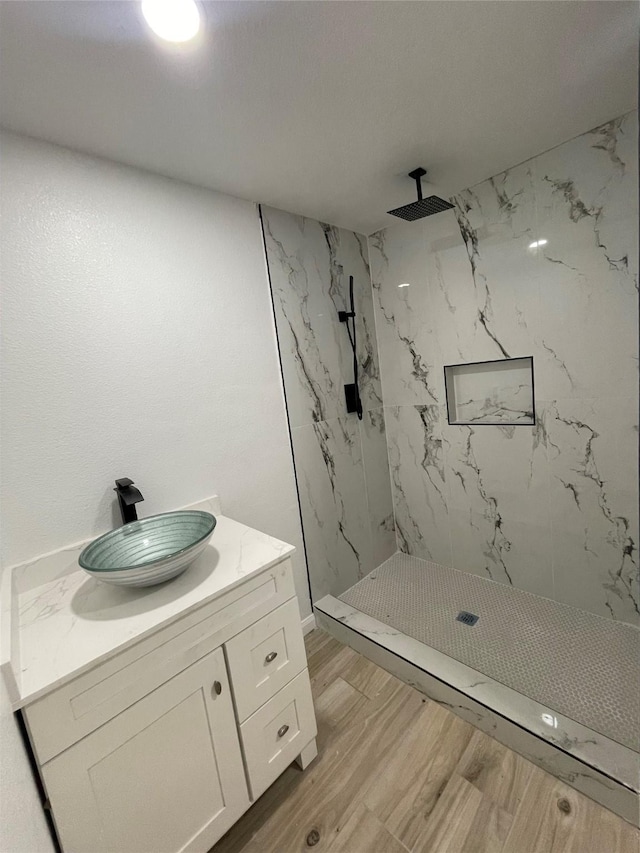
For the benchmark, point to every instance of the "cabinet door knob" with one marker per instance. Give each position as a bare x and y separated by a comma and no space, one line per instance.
217,688
283,730
271,656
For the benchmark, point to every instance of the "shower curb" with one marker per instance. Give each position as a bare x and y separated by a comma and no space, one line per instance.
598,767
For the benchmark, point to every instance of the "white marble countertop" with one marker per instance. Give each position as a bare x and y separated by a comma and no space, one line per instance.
60,622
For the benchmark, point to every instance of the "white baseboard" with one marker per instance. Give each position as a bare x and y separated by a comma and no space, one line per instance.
308,624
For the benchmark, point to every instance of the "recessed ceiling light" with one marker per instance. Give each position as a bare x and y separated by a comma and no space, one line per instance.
172,20
406,284
537,243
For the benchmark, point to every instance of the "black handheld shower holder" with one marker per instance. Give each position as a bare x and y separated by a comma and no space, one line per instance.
351,391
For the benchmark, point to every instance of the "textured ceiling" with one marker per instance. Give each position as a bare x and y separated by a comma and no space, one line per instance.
320,107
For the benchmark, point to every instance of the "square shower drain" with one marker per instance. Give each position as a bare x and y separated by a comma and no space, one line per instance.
467,618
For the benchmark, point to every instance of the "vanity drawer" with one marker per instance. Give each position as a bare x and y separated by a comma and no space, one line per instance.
277,733
61,718
265,657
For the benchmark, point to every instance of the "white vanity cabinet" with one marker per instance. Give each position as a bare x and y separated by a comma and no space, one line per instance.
164,775
161,748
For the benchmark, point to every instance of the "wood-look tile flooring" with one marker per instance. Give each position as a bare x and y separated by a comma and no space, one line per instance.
397,772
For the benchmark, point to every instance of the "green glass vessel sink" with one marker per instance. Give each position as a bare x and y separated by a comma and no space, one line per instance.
149,551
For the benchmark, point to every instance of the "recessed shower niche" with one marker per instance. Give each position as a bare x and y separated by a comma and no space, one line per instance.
491,392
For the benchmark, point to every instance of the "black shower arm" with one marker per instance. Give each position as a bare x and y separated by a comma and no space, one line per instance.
417,175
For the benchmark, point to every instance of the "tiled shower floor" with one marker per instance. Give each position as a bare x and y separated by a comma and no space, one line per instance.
581,665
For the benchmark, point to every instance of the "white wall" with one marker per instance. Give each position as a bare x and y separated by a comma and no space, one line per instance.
23,828
138,341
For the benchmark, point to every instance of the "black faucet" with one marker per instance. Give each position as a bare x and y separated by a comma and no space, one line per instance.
128,497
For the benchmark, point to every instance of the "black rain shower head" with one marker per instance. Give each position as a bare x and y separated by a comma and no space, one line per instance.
423,206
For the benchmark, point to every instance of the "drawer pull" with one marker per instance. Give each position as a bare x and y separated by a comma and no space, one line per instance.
283,730
217,688
271,656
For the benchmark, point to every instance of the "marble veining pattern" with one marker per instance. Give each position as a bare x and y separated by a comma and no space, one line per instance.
373,436
403,321
68,622
333,500
506,404
341,462
309,264
418,476
538,261
493,392
592,449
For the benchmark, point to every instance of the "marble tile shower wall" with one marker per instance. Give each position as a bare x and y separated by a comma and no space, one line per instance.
341,463
553,508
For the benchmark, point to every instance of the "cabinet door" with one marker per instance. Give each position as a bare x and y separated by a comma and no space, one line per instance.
166,775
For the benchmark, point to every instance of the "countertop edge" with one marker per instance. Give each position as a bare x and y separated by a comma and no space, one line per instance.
24,700
11,587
